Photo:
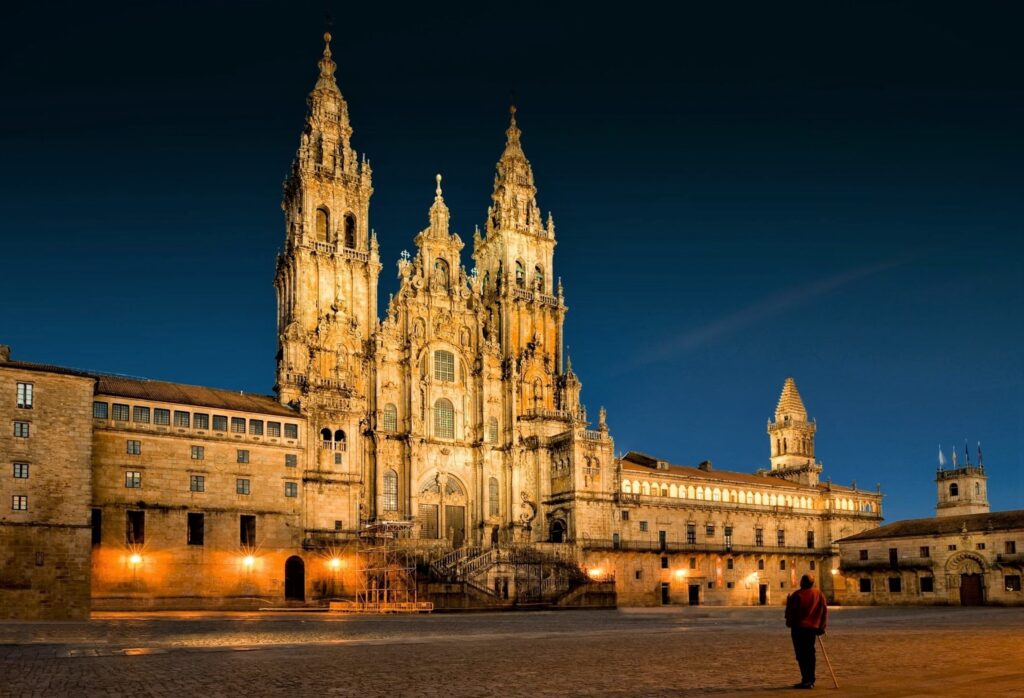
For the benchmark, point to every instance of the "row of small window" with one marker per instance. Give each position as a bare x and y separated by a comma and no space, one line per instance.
709,532
729,564
1009,548
197,483
24,396
1011,582
163,417
134,448
135,528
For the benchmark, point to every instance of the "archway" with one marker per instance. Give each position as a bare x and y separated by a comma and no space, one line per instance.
294,579
557,532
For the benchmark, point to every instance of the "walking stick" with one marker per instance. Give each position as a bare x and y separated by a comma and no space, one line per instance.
828,661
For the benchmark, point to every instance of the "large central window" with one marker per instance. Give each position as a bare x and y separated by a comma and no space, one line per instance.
444,366
390,491
444,419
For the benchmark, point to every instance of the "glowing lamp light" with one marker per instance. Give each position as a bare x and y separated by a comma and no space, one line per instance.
835,571
135,560
680,573
334,563
595,572
248,561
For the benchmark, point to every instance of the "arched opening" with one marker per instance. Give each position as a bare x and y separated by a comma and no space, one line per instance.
954,489
538,278
390,417
492,430
391,490
325,435
487,281
557,532
339,436
350,231
323,223
441,276
294,579
520,275
492,496
444,419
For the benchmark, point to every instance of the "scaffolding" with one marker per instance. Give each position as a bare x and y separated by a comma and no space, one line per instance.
387,572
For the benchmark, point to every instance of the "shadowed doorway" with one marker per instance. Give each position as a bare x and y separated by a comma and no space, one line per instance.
294,579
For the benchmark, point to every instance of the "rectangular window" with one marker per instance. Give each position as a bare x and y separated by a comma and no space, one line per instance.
951,547
758,536
181,418
813,564
863,554
782,564
616,541
247,530
100,410
760,564
691,533
200,421
709,531
980,546
242,485
728,536
132,479
662,539
729,564
21,471
135,527
196,528
1012,582
256,427
693,563
220,422
711,585
337,459
926,551
625,516
729,585
291,460
237,425
21,430
865,585
638,574
444,366
927,585
895,585
893,556
643,525
810,539
19,502
25,396
274,429
140,415
198,452
781,537
291,431
664,562
241,456
161,416
97,526
1010,547
134,447
119,412
337,524
197,483
291,489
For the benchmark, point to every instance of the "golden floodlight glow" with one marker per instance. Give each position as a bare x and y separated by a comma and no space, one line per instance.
248,560
835,571
135,559
595,572
335,563
680,573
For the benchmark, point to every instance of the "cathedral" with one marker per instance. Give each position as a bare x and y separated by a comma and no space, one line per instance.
453,423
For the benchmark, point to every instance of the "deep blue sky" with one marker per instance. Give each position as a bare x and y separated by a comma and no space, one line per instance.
741,192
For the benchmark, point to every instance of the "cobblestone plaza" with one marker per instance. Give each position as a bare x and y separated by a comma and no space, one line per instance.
638,652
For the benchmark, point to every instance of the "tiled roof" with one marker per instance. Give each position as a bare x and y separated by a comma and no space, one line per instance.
945,525
161,391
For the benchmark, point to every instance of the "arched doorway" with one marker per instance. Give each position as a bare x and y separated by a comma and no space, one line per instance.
557,531
970,569
442,509
294,579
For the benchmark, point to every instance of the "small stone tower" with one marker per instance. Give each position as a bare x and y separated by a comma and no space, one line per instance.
791,438
962,490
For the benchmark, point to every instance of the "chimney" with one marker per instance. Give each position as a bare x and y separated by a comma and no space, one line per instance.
705,465
5,353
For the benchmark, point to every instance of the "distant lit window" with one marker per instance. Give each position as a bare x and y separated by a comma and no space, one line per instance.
134,447
181,418
274,429
198,452
197,483
100,410
237,425
256,427
242,456
25,396
132,479
161,416
242,486
220,422
291,489
201,421
19,502
444,366
21,471
21,430
140,415
119,412
291,431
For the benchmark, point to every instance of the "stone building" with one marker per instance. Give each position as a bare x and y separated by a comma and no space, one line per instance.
965,555
456,418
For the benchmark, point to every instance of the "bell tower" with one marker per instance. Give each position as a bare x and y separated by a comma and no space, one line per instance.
963,489
791,438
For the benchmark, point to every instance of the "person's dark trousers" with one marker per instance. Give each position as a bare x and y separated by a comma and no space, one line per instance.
803,645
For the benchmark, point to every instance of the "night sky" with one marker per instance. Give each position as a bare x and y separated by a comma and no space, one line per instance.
741,192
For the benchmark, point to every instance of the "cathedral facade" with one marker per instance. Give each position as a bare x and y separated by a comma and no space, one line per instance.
456,416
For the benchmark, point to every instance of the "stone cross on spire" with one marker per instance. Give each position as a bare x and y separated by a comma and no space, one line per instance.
327,67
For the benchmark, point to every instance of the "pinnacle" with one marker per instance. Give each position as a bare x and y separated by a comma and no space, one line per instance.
790,403
327,67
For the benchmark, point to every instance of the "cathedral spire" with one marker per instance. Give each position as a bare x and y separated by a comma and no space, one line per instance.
514,200
791,405
327,68
439,214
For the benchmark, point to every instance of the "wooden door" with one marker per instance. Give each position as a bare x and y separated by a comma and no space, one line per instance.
971,593
455,524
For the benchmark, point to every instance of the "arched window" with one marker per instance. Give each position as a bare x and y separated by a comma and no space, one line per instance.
492,430
444,366
325,435
390,491
492,496
538,278
673,491
323,223
646,488
538,394
627,487
716,495
954,489
390,417
444,419
977,488
785,446
520,275
339,436
441,273
757,498
350,231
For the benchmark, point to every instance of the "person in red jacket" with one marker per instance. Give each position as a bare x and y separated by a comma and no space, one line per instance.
806,617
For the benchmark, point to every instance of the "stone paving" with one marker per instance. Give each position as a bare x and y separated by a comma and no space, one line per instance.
673,651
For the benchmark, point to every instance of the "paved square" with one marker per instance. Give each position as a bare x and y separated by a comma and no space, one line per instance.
630,652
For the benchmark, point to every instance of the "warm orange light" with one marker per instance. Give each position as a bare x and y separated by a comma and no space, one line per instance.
680,573
595,572
835,571
248,560
334,563
135,559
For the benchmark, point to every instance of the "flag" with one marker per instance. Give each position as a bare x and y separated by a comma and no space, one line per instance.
979,454
967,453
942,458
954,456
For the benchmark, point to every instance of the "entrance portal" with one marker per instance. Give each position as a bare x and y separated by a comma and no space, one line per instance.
971,591
557,533
294,579
455,521
664,594
762,594
695,594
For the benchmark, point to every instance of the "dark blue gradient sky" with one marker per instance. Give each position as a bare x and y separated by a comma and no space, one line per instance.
742,191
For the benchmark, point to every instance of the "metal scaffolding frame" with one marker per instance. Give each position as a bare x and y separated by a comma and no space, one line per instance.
387,572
